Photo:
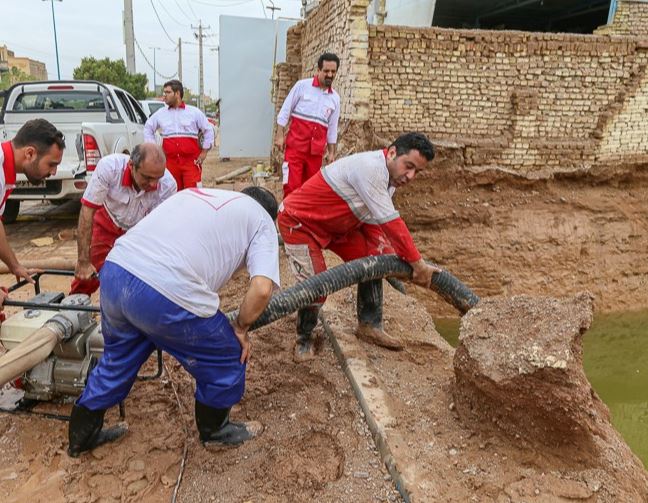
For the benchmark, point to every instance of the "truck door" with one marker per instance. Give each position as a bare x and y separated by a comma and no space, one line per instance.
133,122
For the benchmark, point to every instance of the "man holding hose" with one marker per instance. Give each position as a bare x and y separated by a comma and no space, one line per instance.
347,208
159,289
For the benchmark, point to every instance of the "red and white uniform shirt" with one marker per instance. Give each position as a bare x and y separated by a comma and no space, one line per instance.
313,113
7,174
350,193
111,187
179,128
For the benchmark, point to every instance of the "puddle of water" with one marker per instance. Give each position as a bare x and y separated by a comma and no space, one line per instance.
615,353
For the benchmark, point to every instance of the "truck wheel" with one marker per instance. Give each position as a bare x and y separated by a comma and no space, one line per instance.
12,207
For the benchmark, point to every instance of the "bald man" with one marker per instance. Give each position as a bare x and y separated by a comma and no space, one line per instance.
121,192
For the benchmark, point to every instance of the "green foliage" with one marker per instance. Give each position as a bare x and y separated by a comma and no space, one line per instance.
8,79
112,72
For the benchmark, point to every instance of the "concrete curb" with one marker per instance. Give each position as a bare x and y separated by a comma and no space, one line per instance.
371,400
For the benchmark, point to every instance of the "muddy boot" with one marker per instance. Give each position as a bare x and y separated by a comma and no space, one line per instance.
216,430
370,329
306,322
85,431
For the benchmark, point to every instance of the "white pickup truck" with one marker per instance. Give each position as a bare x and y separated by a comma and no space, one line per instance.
97,119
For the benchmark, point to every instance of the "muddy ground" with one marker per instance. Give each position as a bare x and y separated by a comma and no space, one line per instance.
500,235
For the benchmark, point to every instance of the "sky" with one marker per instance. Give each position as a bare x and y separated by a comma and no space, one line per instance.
95,28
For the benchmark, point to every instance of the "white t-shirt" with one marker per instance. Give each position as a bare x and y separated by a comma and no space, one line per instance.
111,187
190,246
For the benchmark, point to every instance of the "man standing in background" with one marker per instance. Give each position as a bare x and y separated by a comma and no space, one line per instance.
180,127
313,109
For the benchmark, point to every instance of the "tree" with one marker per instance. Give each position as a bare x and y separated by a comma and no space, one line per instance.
112,72
15,74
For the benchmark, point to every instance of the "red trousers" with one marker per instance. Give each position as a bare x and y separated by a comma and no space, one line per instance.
305,253
186,173
297,168
181,152
104,235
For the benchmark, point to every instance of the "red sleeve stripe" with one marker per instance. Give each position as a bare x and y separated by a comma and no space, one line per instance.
89,204
401,239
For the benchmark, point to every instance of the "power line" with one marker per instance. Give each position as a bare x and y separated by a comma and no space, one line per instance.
263,9
221,6
151,66
192,11
173,17
182,10
160,21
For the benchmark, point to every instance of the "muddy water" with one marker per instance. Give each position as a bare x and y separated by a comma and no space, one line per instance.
616,363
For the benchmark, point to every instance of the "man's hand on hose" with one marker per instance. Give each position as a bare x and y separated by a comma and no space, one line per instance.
422,273
84,271
244,340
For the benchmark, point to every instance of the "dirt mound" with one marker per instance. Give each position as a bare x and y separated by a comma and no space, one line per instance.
519,362
506,235
519,373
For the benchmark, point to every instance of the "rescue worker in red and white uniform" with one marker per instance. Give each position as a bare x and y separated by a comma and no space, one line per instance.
181,127
347,208
36,151
121,192
313,109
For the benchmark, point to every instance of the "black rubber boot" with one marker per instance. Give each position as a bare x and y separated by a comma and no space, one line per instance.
306,323
215,428
85,431
370,313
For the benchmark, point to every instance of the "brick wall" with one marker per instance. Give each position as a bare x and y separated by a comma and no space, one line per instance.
519,100
530,103
630,19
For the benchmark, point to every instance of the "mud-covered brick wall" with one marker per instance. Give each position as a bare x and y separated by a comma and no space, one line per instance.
529,102
630,19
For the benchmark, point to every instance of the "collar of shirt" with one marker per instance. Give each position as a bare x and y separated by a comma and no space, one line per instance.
127,180
9,165
317,84
181,105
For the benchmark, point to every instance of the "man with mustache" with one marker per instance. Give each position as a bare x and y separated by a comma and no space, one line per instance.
347,208
36,151
313,109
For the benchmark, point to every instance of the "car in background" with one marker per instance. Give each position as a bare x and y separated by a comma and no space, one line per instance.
151,106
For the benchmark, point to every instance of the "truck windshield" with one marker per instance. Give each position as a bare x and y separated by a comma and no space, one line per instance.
154,107
55,101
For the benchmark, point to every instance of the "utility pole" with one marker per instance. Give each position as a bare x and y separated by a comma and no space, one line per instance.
273,8
200,37
129,36
58,66
179,59
154,70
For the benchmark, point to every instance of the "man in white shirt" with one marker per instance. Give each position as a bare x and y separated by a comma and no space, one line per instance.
36,151
159,289
121,192
313,109
181,126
